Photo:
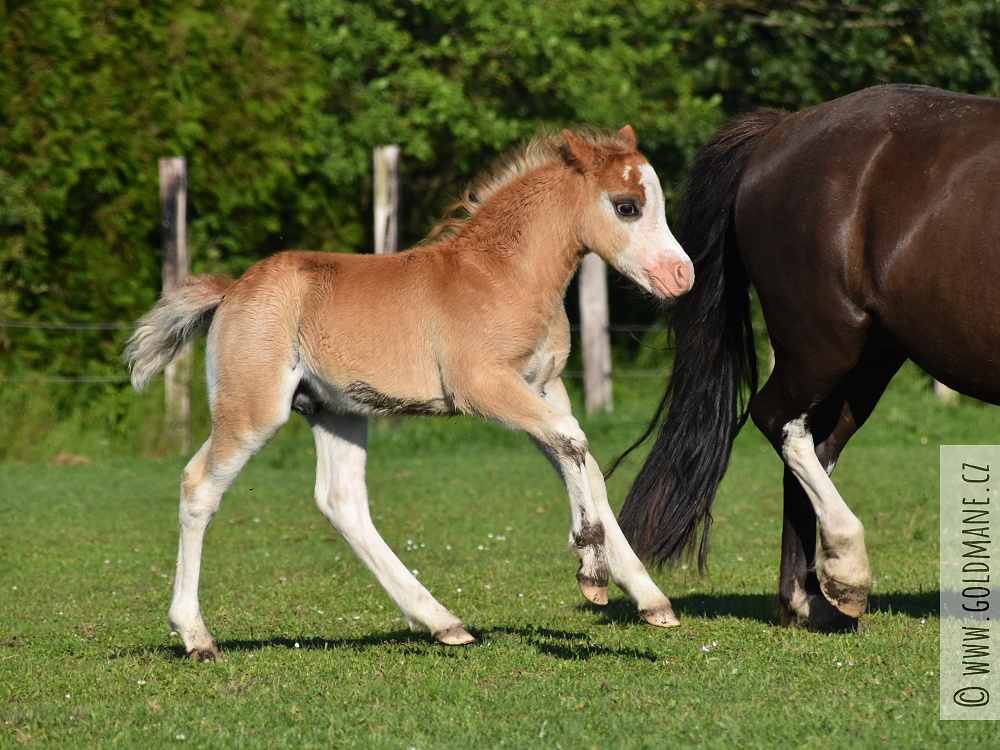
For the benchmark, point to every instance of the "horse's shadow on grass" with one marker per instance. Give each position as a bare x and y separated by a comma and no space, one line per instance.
573,646
763,608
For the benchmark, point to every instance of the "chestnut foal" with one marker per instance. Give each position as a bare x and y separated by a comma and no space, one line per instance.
471,322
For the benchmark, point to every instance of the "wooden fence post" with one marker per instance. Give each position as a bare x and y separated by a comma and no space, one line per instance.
386,168
594,322
176,268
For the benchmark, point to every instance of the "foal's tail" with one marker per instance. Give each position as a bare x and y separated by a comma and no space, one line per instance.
715,363
179,317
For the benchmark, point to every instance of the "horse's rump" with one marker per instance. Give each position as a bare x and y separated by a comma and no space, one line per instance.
885,200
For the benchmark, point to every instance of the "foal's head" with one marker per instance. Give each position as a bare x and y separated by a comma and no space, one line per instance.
618,210
623,213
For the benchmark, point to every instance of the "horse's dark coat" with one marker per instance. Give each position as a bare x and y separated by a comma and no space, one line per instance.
870,228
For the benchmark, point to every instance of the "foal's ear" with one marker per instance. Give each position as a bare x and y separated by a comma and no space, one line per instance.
627,136
576,152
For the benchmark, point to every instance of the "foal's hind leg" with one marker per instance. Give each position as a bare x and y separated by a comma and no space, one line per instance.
204,480
250,390
594,532
341,451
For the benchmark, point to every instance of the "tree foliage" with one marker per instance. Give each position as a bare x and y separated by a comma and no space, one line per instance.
457,81
91,95
278,105
793,54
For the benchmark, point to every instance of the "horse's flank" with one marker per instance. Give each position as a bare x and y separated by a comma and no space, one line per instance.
867,226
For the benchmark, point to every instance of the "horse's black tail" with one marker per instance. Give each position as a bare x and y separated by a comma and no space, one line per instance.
715,361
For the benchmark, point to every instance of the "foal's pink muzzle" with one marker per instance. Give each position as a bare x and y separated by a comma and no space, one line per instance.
671,278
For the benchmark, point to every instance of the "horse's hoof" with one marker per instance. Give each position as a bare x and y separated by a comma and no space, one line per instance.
593,591
454,636
661,617
814,613
850,600
205,654
825,618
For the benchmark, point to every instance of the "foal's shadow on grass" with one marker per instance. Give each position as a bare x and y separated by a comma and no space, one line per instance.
560,644
568,646
405,638
762,607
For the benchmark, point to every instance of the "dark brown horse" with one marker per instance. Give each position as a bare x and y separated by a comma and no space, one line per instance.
870,228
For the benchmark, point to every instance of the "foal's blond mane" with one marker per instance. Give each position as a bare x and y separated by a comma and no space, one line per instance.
543,148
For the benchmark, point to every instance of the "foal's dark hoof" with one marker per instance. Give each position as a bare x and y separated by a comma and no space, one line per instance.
203,655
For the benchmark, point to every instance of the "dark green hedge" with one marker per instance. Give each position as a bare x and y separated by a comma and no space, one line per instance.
277,106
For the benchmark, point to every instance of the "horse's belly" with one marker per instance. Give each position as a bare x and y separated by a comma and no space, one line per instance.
966,361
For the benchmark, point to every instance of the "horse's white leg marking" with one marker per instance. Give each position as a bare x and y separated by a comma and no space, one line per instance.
594,532
341,494
846,573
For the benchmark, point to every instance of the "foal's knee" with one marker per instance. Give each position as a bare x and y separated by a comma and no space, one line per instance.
569,441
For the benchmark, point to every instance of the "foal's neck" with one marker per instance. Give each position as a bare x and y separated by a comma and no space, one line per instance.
529,229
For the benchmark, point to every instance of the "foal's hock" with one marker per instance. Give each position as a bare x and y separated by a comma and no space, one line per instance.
485,334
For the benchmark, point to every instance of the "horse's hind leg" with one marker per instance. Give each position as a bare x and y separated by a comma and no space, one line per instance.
341,494
810,445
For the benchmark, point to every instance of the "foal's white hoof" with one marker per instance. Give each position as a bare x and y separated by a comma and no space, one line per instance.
455,636
661,617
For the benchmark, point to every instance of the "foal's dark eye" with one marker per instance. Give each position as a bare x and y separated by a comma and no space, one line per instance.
627,209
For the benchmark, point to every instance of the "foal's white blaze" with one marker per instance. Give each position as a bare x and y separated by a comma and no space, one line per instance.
654,259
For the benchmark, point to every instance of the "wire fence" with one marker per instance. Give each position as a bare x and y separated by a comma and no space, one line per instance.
635,331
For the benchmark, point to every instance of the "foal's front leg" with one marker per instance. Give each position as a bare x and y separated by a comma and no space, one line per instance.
341,494
594,533
504,397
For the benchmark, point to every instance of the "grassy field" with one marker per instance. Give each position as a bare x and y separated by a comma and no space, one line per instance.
317,656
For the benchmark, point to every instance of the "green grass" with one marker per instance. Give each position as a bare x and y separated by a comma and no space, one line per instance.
317,656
